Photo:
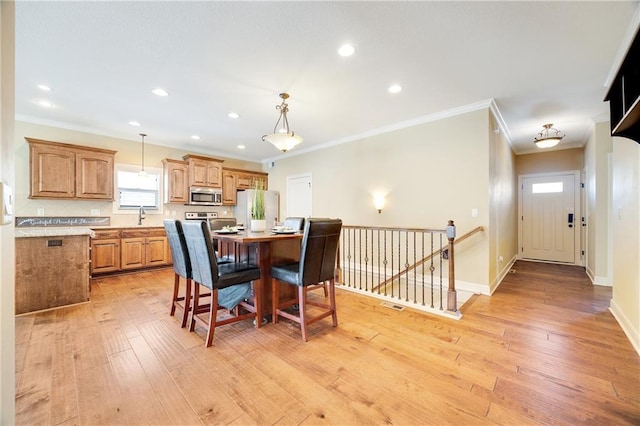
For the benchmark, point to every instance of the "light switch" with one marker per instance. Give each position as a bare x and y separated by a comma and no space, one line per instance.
40,212
475,213
95,212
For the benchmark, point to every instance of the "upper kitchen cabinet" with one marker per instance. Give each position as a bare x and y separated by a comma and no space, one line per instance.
176,181
249,180
229,192
59,170
624,95
204,171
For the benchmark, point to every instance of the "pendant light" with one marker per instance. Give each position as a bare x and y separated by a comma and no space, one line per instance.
548,137
142,171
283,137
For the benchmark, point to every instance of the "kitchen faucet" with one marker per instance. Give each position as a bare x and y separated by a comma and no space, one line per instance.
141,215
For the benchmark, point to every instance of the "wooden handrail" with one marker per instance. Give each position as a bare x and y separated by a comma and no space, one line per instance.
429,257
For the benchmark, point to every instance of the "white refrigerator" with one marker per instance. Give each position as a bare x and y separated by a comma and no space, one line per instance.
242,210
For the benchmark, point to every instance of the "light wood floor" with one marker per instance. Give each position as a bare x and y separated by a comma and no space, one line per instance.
543,350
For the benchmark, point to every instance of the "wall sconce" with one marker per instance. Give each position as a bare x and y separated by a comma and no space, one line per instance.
378,202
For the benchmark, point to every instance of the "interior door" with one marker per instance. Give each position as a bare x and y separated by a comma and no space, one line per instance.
299,196
548,218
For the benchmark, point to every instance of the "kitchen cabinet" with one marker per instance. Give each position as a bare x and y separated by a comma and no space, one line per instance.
229,192
204,171
105,251
176,181
143,248
128,249
248,180
59,170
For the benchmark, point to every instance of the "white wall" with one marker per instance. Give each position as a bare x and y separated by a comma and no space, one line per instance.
596,157
625,304
7,247
430,173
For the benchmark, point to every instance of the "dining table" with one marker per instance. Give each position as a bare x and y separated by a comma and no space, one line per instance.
263,249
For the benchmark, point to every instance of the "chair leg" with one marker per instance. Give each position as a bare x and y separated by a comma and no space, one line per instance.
302,301
176,289
187,302
213,314
275,284
324,286
332,301
257,300
196,303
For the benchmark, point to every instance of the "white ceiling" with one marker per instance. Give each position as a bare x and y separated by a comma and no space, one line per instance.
540,62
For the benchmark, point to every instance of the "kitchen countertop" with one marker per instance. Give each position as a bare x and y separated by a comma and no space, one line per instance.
53,232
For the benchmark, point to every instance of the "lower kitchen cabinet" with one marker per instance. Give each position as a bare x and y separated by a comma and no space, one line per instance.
128,249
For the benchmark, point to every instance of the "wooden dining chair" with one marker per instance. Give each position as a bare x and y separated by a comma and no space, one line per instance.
316,266
229,283
181,268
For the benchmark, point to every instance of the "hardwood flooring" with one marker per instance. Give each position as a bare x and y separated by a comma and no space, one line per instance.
543,349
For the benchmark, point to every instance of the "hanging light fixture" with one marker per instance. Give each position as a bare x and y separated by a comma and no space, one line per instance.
548,137
142,171
283,137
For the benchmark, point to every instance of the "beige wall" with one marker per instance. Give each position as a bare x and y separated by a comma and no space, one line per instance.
128,152
596,158
550,161
430,173
503,228
7,233
625,304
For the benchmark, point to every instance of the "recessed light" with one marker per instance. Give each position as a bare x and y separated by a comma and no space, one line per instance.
241,147
45,104
43,87
233,115
134,123
346,50
160,92
195,137
395,88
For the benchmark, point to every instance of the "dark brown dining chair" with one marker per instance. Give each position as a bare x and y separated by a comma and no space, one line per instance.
316,265
181,268
229,283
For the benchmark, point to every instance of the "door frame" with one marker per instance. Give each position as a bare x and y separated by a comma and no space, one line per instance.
577,194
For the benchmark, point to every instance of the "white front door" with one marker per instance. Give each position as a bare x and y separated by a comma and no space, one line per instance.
299,196
548,218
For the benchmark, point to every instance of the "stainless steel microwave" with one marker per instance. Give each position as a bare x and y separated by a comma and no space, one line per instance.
200,196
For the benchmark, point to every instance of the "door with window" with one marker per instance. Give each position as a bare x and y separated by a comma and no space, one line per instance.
548,218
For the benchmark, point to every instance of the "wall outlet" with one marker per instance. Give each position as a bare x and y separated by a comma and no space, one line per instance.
40,212
500,259
475,213
95,212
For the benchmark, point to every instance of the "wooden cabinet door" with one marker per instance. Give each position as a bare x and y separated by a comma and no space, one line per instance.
133,253
94,175
105,255
229,193
156,251
198,173
214,175
244,181
52,172
176,181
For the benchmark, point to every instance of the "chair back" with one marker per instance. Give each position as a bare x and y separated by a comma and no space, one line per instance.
179,253
203,258
319,249
296,223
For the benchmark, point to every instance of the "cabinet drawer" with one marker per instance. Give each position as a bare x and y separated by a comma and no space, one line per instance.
142,233
106,234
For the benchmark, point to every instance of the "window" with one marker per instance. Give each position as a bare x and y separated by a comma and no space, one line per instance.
135,190
546,188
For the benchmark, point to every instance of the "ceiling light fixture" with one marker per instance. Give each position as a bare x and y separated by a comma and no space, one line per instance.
134,123
548,137
346,50
283,137
396,88
233,115
160,92
44,87
195,137
142,171
45,104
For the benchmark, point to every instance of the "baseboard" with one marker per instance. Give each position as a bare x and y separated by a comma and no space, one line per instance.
596,280
627,326
503,273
